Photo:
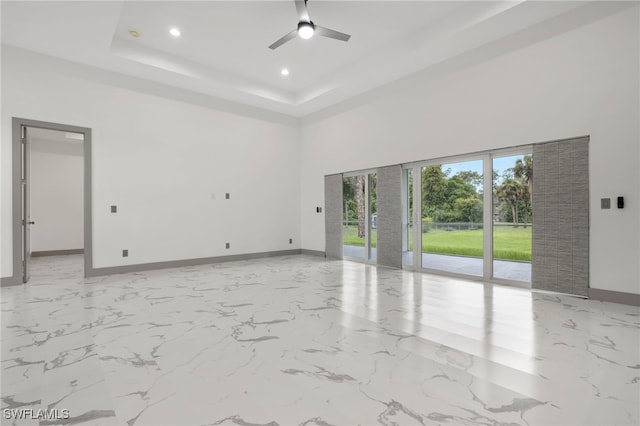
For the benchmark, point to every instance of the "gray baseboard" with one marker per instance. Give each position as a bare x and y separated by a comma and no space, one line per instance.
312,252
56,252
614,296
9,281
96,272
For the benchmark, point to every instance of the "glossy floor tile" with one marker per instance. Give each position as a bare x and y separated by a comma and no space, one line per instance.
467,265
303,341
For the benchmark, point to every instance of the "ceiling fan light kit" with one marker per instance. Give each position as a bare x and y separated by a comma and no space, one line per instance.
306,28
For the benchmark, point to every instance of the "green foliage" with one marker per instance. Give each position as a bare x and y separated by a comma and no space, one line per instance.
468,209
451,199
351,197
434,192
523,170
471,177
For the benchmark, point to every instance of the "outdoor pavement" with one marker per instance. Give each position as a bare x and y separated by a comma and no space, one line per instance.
505,269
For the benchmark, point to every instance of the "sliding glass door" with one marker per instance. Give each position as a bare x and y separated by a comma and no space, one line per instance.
471,216
407,218
512,223
451,217
359,222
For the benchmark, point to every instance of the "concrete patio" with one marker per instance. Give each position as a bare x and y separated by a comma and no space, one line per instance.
504,269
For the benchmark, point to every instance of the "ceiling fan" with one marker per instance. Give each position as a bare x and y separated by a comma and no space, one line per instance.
306,28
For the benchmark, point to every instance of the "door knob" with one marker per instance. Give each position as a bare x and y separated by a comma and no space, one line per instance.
32,222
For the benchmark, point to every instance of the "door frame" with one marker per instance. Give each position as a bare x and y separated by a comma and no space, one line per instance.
487,158
367,216
17,205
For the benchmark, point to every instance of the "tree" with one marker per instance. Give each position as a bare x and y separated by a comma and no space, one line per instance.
347,198
373,193
468,209
525,196
472,178
441,194
510,191
524,170
434,191
458,187
359,189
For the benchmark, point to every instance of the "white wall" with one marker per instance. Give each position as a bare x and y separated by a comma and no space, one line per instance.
165,163
56,177
584,82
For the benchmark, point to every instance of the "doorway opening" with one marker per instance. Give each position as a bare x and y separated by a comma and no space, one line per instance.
51,193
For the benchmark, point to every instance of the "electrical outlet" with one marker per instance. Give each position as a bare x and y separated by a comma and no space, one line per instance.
227,245
605,203
114,209
125,253
290,240
318,209
227,195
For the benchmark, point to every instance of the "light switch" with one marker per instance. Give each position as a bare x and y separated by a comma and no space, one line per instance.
227,196
114,209
605,203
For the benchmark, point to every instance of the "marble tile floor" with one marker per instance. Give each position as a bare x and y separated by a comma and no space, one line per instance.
300,340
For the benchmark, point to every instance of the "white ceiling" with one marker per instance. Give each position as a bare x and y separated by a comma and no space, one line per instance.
223,51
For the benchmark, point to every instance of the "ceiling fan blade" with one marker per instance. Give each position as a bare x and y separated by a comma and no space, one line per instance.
303,13
326,32
284,39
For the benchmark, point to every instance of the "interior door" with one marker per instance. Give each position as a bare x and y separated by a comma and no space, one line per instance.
26,215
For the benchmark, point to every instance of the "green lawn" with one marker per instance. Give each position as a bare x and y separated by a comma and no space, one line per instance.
508,243
350,236
511,243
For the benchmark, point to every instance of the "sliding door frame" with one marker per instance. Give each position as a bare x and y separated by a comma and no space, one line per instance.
499,153
487,211
367,215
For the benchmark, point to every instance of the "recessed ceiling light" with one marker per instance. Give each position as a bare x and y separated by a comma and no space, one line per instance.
174,32
134,33
284,72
